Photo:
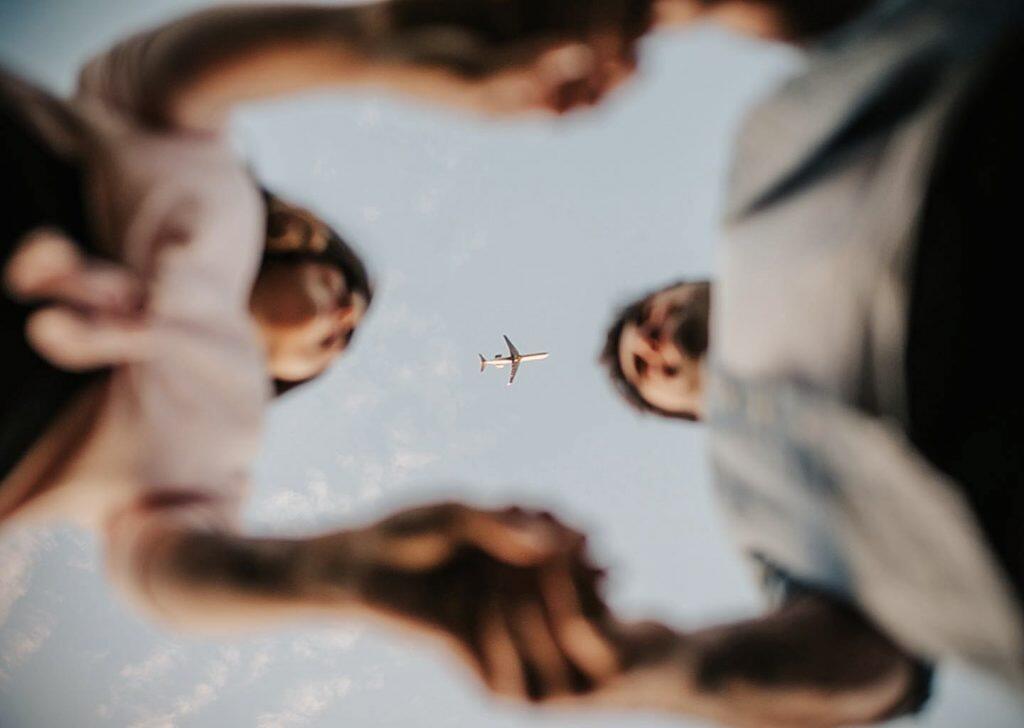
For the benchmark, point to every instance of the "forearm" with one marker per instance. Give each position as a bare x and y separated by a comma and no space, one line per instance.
212,580
812,664
191,72
488,55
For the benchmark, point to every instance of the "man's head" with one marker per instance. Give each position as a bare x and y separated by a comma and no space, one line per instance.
310,295
655,350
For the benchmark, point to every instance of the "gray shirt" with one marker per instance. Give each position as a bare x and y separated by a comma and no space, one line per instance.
808,400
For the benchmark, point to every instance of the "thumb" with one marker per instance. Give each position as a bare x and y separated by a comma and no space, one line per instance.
518,537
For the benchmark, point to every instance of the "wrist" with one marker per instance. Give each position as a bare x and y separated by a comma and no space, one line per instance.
658,674
332,572
676,677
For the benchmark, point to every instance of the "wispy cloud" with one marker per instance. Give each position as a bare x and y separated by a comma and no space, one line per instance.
315,500
408,461
304,703
18,554
159,662
258,665
199,696
19,645
326,644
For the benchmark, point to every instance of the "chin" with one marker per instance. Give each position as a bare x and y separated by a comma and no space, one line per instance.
293,372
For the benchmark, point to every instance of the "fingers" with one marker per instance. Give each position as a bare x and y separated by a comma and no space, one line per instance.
43,257
578,617
541,662
512,588
423,538
99,287
98,320
48,266
516,536
570,76
75,341
500,662
519,656
519,56
564,77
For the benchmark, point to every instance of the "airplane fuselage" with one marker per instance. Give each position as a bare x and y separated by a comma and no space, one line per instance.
514,359
500,362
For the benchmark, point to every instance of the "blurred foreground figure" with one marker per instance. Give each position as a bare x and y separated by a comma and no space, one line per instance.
865,415
135,238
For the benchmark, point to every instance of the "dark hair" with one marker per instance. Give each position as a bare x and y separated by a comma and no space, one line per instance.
330,248
333,249
692,338
805,19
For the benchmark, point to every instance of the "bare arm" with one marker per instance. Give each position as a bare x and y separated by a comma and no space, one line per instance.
489,584
812,664
497,588
192,71
483,53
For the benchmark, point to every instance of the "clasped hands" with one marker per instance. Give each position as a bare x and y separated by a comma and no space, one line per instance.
513,591
512,56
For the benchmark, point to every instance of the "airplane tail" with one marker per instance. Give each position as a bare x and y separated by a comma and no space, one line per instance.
483,362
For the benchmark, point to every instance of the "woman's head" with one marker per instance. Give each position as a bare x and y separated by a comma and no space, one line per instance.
656,347
310,296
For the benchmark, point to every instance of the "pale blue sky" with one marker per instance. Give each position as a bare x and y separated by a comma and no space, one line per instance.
538,230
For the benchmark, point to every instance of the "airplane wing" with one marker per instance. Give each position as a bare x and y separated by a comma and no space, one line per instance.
512,348
515,368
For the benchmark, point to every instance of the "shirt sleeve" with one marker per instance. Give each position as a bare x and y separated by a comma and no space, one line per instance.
187,217
782,588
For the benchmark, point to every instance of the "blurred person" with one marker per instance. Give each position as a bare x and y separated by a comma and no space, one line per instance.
136,239
862,408
860,400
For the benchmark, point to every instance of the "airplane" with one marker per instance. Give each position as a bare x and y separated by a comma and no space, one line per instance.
514,359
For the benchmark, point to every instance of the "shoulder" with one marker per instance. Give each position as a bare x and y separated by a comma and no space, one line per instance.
150,192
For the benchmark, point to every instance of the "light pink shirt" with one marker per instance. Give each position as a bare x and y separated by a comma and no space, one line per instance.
185,424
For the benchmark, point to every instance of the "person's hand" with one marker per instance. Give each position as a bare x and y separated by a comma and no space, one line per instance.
520,55
90,311
512,591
